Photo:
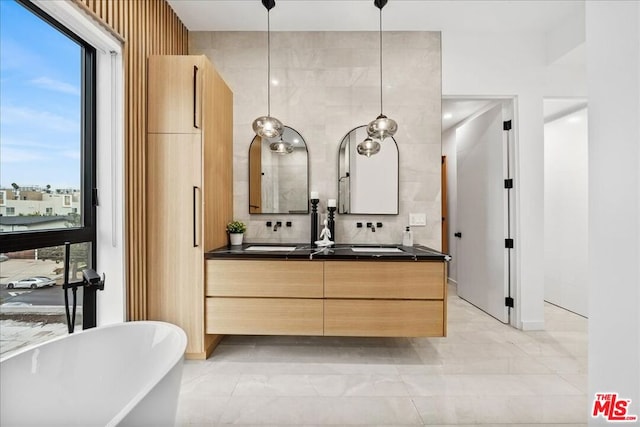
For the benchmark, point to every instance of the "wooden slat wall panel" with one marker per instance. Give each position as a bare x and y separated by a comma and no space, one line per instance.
147,27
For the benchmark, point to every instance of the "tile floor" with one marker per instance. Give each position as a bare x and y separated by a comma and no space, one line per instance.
483,373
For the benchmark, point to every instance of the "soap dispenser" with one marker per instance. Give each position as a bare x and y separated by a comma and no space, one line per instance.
407,237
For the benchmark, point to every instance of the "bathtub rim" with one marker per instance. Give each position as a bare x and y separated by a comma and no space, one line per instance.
175,358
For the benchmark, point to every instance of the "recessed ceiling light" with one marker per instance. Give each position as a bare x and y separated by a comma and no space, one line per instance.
447,116
274,82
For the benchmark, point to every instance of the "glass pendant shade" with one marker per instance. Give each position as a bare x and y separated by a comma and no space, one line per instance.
382,127
368,147
281,147
268,127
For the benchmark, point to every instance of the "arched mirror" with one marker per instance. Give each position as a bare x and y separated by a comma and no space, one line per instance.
367,185
279,174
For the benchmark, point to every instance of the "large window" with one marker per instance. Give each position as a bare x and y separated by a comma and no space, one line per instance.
47,169
47,131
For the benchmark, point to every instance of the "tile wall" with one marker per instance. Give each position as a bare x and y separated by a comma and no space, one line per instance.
328,84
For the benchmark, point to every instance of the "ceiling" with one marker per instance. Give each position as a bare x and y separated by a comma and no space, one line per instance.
456,110
361,15
554,108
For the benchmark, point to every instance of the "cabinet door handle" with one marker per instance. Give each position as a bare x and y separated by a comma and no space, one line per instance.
195,97
195,218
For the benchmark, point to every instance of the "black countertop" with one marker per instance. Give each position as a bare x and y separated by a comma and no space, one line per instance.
336,252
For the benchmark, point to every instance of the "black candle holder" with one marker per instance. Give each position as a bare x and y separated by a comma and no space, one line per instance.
331,223
314,221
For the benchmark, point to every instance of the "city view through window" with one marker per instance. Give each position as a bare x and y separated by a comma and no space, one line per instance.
41,169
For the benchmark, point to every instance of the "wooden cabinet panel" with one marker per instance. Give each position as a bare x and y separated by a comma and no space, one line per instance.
264,316
379,279
383,318
176,87
218,161
268,278
175,272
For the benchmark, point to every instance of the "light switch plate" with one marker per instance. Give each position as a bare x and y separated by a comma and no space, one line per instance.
417,219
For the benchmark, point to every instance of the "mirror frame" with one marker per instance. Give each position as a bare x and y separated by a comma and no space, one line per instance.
339,177
301,212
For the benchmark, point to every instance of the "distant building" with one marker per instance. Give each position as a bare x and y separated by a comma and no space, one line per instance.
37,201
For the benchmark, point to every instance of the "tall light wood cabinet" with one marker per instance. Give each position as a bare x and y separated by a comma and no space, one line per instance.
189,188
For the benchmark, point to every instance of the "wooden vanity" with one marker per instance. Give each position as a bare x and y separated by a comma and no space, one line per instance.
340,295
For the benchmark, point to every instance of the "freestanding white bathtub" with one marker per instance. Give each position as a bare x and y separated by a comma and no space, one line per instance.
123,374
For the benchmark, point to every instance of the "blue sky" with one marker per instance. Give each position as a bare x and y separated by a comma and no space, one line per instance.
39,102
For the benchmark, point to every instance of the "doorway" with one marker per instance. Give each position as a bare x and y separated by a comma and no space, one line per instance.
478,143
566,203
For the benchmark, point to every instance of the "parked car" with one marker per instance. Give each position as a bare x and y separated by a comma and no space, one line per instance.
32,282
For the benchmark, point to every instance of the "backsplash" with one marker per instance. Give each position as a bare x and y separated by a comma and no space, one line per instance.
328,84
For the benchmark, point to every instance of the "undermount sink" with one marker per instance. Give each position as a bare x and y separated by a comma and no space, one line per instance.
377,250
271,248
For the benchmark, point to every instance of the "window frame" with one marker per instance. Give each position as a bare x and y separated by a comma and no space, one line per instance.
24,240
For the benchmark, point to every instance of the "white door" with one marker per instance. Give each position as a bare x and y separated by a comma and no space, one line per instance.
482,214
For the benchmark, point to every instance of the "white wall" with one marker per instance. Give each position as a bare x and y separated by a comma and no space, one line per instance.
565,212
613,64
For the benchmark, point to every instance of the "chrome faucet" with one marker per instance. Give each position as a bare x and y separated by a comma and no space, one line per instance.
278,225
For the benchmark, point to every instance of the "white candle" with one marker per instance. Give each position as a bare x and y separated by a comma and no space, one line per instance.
314,195
331,203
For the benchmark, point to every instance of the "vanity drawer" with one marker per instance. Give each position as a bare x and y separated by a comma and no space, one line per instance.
268,278
383,318
379,279
264,316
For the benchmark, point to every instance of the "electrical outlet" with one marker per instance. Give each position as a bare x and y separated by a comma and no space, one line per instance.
417,219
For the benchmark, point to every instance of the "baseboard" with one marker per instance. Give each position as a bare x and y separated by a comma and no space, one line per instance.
532,326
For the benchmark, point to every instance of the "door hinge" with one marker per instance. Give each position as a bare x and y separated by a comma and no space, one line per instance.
508,243
508,183
506,125
508,301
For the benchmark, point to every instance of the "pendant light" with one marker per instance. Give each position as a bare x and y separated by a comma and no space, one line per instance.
267,126
382,126
281,147
368,147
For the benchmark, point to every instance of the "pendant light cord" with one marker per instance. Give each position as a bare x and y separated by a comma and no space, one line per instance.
268,64
380,61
